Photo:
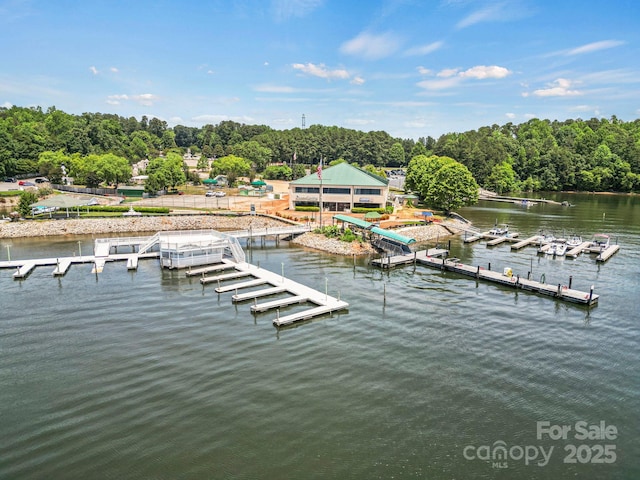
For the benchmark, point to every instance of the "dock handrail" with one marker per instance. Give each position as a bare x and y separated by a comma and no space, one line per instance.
151,241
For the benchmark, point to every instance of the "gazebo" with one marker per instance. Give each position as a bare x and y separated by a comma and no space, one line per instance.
64,201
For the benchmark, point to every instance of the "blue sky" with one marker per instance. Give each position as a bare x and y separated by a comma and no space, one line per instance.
412,68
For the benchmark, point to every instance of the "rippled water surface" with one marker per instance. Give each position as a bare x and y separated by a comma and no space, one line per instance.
149,375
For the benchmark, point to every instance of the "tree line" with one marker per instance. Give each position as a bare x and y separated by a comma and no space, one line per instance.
596,154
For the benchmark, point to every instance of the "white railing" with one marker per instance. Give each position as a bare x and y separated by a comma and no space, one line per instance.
151,241
236,250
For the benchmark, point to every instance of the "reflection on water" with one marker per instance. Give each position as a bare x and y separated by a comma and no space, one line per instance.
150,374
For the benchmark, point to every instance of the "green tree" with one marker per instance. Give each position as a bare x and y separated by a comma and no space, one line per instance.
112,169
395,158
27,198
231,166
441,182
453,187
278,172
50,165
298,171
502,178
255,153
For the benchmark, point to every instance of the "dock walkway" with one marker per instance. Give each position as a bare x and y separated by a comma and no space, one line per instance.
298,293
396,260
559,291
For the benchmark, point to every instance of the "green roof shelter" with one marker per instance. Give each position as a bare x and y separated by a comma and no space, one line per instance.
64,201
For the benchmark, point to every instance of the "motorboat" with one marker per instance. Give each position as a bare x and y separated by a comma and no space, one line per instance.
574,241
501,230
557,249
600,241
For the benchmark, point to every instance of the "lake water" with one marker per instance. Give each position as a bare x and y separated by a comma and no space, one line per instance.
136,375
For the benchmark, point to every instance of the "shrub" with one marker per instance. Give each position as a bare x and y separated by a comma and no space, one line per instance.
307,209
348,236
366,210
118,208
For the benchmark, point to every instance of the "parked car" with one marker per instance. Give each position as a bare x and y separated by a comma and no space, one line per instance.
219,193
26,184
210,194
10,180
42,180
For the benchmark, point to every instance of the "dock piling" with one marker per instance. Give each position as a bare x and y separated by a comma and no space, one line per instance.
591,294
570,280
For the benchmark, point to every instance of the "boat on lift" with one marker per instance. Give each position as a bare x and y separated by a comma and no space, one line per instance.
500,230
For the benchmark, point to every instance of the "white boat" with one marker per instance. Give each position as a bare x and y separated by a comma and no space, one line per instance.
574,241
501,230
557,249
600,241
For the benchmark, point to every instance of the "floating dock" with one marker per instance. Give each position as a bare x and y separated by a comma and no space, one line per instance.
396,260
278,284
559,291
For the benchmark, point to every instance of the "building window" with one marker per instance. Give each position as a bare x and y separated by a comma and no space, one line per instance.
307,190
367,191
336,190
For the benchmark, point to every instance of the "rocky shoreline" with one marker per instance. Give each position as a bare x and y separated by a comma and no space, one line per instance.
127,225
318,241
118,225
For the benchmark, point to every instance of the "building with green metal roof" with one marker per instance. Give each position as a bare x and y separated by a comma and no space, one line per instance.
343,188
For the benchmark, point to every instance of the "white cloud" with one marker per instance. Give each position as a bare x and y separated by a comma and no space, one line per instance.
7,105
371,47
424,49
481,72
557,88
93,70
424,71
496,12
116,99
146,99
274,89
451,77
595,46
357,81
210,72
510,116
447,72
114,70
321,71
439,84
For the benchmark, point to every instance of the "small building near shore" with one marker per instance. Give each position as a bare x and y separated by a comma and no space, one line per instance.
344,187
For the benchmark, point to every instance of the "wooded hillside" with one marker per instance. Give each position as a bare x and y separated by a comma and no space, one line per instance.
595,154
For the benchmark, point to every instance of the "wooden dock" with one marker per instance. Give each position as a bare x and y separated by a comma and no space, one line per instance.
61,267
559,291
535,240
298,293
607,253
396,260
575,251
504,238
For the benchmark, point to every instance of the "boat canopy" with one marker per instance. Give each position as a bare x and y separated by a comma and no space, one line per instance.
393,235
354,221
